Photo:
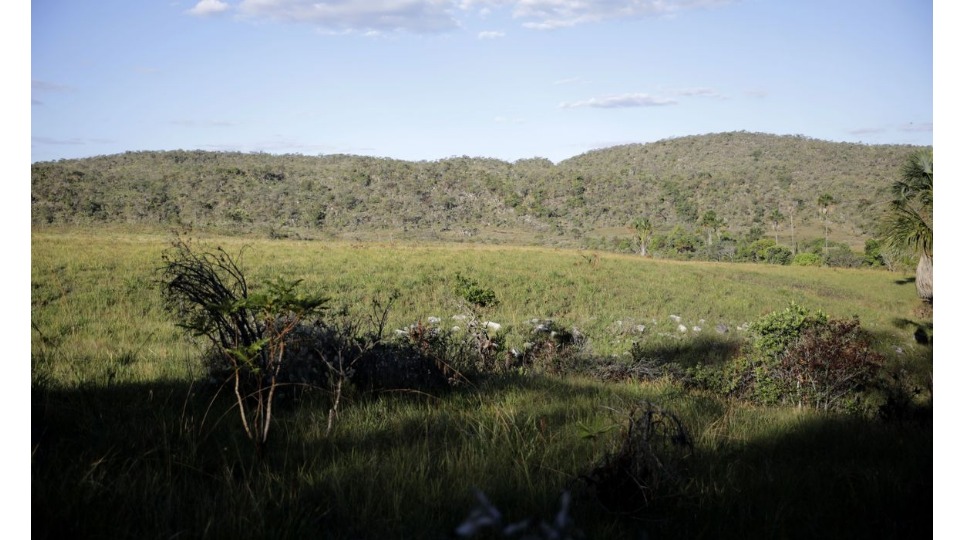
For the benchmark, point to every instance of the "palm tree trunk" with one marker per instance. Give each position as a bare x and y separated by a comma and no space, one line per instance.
793,237
924,279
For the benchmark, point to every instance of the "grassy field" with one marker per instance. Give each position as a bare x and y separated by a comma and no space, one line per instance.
126,441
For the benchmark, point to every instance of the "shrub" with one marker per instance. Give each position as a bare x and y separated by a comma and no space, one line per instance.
427,356
640,369
647,463
828,364
841,256
250,330
551,348
776,331
801,358
808,259
471,291
756,375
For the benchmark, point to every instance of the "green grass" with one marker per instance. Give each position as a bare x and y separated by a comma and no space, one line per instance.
129,442
89,290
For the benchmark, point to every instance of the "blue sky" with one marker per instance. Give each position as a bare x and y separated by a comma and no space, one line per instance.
428,79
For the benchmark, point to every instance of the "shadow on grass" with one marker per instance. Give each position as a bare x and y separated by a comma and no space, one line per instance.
166,460
824,477
688,351
922,330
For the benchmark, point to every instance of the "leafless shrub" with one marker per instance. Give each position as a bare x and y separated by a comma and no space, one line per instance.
646,463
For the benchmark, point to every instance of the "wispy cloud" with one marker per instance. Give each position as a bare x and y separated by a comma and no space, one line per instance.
918,127
756,93
208,7
698,92
47,86
550,14
620,101
416,16
73,141
202,123
491,34
433,16
911,127
866,131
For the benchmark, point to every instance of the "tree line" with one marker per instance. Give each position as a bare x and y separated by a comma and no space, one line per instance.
728,188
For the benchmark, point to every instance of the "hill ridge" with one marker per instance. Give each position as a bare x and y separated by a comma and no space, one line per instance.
741,176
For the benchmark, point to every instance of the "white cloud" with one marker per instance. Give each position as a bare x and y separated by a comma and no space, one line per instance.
550,14
208,7
432,16
621,101
490,34
698,92
418,16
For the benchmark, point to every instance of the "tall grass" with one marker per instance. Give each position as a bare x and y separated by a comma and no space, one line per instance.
94,298
129,441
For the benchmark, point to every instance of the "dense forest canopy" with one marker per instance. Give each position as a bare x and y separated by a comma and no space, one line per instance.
743,183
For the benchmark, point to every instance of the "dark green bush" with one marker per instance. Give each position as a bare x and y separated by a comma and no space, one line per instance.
471,291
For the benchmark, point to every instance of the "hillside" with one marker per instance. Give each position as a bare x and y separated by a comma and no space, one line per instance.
743,177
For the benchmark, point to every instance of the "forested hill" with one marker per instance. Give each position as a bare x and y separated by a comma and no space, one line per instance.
742,177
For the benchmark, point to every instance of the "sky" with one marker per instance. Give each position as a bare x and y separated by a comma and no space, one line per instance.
506,79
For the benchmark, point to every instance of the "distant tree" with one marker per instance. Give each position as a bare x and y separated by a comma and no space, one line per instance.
711,223
644,230
825,202
777,218
908,223
795,205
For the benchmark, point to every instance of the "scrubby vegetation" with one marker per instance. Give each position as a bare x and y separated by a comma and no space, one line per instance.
708,197
456,391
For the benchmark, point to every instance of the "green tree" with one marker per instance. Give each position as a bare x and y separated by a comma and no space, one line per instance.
795,205
644,230
908,223
825,202
711,223
777,218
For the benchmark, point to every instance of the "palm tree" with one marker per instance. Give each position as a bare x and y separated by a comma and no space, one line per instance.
777,218
908,223
792,209
711,223
825,201
644,229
